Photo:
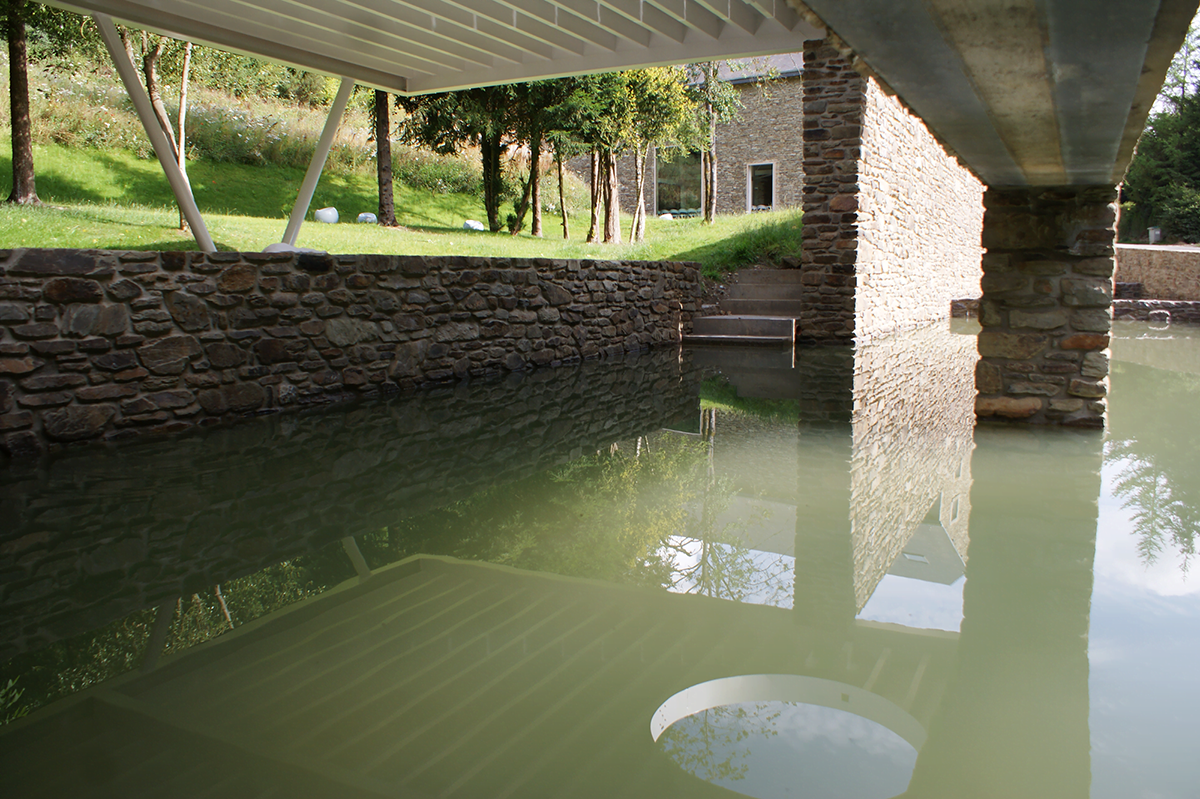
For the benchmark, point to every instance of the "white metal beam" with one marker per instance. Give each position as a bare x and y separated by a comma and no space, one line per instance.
315,167
158,139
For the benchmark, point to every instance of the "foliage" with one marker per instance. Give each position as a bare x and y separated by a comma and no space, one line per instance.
718,392
11,707
1165,173
1184,73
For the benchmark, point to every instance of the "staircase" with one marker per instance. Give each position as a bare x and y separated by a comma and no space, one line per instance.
761,308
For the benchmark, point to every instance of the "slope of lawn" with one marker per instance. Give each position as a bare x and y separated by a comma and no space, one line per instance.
110,199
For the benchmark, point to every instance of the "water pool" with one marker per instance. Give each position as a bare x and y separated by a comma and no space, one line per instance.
678,575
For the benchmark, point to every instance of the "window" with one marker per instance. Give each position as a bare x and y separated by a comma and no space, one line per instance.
677,188
762,187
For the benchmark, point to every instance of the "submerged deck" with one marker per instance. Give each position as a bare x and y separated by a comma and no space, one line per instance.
441,678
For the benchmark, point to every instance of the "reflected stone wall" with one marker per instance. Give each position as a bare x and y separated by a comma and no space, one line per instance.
913,421
93,536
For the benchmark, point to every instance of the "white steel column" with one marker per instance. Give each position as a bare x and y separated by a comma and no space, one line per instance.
162,147
309,186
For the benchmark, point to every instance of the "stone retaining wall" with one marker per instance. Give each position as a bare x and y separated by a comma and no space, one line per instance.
107,345
1157,311
1165,274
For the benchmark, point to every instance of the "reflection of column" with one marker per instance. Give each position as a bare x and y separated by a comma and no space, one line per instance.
824,578
1015,720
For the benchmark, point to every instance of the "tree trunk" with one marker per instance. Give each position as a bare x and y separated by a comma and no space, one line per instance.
185,73
612,199
531,194
637,231
150,70
594,230
562,201
383,158
489,150
535,175
24,190
710,177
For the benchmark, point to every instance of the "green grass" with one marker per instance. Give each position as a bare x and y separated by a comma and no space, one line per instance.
718,392
110,199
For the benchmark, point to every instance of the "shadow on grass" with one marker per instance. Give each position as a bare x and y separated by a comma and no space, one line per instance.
770,242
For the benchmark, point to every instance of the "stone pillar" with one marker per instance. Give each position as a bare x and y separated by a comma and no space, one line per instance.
1047,304
833,118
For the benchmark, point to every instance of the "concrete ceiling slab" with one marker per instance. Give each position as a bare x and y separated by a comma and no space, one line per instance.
1024,92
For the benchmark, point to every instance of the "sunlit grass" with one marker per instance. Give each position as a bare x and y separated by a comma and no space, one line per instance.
110,199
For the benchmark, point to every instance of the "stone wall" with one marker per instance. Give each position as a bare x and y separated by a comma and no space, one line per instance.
106,345
920,219
1165,273
1160,311
892,223
832,133
764,133
92,536
1046,309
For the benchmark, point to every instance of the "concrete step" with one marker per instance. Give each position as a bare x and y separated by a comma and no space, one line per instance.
765,291
768,276
738,341
756,307
783,327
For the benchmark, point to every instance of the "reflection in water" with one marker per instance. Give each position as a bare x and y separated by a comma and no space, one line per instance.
478,593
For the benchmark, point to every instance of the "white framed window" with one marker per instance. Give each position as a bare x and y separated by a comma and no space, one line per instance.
760,186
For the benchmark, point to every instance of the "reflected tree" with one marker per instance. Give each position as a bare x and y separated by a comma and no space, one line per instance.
1162,515
714,744
1152,450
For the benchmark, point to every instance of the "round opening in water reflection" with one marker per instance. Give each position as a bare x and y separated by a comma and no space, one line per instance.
780,735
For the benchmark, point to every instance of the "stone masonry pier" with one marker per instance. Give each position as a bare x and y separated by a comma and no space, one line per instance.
98,345
1046,310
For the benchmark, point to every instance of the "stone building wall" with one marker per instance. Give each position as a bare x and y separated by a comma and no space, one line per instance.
1165,274
161,519
764,133
892,223
920,219
913,424
107,345
832,133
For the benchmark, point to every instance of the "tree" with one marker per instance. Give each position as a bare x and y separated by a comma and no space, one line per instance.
152,49
381,121
661,117
1184,72
1163,181
24,190
717,101
448,121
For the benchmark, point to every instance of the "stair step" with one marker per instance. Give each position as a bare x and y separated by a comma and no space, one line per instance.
789,308
737,325
738,340
768,276
764,291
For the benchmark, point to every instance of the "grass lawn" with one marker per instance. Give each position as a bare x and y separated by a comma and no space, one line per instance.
109,199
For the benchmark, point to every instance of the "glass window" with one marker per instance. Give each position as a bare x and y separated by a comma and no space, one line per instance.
678,185
762,187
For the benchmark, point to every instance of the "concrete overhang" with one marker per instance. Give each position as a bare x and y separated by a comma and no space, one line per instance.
1024,92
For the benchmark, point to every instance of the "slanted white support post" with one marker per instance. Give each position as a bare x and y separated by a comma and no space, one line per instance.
162,147
309,186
